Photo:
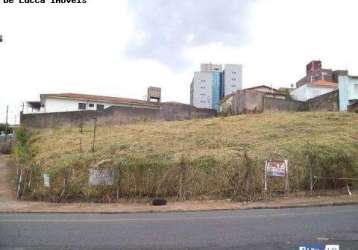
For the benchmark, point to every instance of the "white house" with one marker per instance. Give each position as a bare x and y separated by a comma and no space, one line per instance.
313,89
348,91
66,102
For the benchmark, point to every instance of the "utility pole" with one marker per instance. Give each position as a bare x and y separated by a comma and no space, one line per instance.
94,134
7,122
311,177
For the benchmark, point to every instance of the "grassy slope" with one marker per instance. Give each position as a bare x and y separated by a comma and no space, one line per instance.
262,135
148,153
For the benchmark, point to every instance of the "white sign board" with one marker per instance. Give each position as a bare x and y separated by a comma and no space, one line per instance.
277,168
46,180
100,177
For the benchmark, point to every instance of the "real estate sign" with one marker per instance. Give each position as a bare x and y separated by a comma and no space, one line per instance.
277,168
100,177
46,180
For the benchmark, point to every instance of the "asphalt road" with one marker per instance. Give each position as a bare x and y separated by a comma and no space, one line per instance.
250,229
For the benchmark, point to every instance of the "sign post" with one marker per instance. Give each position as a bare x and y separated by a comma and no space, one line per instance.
277,168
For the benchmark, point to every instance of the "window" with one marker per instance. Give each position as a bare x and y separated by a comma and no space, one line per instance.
202,80
202,94
234,72
233,86
100,107
91,105
234,79
82,106
202,101
202,87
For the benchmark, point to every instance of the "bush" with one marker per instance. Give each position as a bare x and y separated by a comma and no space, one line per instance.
22,148
334,161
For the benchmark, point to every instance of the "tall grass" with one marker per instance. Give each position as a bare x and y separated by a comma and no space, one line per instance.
211,158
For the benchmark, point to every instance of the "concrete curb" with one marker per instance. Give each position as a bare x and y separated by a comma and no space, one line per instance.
183,210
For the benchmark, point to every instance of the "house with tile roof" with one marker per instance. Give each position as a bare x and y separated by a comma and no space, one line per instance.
66,102
313,89
75,110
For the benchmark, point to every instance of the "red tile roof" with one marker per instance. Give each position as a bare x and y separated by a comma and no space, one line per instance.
261,86
99,98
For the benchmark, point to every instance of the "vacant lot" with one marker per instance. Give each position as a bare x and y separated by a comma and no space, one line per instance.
220,157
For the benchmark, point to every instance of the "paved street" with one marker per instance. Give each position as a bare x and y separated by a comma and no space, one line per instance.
246,229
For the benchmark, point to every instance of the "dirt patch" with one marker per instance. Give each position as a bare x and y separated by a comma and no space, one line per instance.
127,207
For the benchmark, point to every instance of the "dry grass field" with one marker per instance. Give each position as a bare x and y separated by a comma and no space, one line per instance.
198,157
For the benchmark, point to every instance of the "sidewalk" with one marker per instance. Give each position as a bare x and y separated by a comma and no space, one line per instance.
8,204
186,206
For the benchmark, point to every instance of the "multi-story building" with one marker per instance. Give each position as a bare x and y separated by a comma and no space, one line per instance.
315,72
232,79
209,67
318,81
208,85
205,90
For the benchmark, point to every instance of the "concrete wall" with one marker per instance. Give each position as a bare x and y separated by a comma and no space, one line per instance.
326,102
252,101
115,116
283,105
247,101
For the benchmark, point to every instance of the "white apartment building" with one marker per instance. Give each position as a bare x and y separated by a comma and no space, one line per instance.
209,67
232,79
212,83
201,90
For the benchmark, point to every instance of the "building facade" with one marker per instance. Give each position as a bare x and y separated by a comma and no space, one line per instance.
348,91
208,86
232,79
315,72
115,115
257,100
312,90
68,102
201,90
210,67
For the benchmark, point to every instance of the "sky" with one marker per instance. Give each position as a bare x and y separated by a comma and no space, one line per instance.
120,47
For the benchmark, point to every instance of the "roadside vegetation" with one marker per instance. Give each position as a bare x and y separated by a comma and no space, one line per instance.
210,158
